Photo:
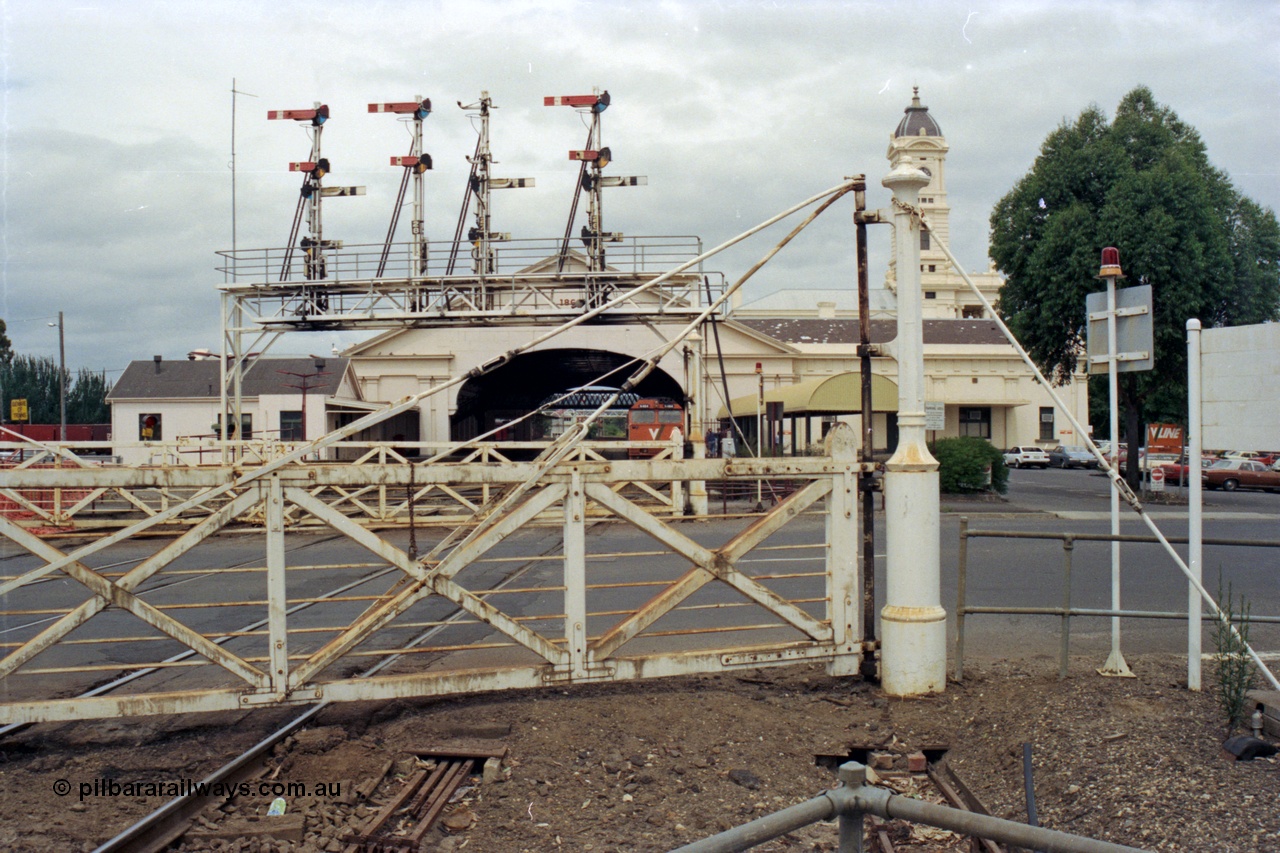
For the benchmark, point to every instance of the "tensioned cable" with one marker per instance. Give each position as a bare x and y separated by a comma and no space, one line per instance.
1117,482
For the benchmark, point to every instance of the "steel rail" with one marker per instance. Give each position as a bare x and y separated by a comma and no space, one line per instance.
158,830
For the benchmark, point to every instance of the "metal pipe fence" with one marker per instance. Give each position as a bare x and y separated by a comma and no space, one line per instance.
1067,611
850,803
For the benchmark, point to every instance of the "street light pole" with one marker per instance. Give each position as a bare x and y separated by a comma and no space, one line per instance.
304,379
759,433
62,380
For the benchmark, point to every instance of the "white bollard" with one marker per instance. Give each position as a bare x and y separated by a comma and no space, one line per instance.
913,625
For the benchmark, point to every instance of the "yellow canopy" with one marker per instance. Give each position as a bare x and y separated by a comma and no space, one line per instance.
828,395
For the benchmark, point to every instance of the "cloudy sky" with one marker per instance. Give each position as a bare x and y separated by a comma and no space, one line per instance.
117,126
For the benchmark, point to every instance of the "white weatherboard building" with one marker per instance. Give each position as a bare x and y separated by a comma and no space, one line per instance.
804,342
167,401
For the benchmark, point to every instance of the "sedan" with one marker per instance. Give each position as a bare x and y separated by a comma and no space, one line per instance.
1026,457
1232,474
1071,456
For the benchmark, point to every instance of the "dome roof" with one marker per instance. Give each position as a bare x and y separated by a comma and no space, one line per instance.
917,121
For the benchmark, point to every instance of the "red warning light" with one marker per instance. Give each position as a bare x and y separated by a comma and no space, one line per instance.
1110,263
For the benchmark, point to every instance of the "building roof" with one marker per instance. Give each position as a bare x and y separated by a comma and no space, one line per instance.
845,331
917,121
792,300
199,379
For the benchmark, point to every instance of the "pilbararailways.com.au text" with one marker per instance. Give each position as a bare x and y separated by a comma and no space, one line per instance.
193,787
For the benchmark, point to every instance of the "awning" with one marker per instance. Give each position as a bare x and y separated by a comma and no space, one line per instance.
840,394
333,404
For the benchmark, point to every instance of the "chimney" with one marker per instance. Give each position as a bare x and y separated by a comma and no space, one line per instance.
157,359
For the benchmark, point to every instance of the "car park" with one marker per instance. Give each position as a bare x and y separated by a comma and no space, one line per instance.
1072,456
1026,457
1232,474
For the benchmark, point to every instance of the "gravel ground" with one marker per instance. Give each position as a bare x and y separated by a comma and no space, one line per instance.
651,766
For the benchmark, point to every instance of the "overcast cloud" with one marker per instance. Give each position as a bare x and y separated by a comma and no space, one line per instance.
117,127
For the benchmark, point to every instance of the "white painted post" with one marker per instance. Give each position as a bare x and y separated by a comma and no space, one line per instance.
575,575
913,624
844,580
1115,664
697,421
277,591
1195,518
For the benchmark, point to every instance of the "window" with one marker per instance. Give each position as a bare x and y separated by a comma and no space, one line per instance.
924,240
291,426
931,294
149,427
972,312
670,416
246,427
1046,423
933,267
975,421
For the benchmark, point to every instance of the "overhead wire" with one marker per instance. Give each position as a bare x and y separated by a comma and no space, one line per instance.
1116,480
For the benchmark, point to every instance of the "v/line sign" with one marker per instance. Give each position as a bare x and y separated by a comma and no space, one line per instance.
1164,438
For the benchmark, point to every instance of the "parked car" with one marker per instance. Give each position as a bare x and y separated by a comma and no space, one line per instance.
1026,457
1072,456
1232,474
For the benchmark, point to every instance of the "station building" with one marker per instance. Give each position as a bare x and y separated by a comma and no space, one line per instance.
791,347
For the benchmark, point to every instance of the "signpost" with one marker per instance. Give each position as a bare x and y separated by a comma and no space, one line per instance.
18,411
935,416
1128,345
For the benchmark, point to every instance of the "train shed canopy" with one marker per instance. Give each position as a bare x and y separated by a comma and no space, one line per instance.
840,394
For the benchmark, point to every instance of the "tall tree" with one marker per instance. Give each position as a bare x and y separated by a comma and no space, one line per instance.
1143,183
87,399
35,379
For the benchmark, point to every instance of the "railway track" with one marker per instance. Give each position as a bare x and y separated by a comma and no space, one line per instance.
161,828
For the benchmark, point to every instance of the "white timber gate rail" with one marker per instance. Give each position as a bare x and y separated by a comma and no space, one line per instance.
547,583
100,502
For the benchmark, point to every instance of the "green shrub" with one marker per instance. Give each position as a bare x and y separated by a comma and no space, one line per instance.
970,464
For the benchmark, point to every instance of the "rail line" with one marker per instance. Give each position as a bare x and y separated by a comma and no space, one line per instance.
165,825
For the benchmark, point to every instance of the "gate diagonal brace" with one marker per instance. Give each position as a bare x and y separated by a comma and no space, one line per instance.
120,593
709,565
435,581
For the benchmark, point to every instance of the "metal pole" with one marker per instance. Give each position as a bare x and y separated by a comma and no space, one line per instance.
1068,548
867,417
852,775
1115,664
1195,516
62,381
697,420
759,433
913,624
962,580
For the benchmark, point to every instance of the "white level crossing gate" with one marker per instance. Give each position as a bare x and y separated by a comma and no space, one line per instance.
530,591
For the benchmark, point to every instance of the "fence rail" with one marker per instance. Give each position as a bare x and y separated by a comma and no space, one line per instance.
1066,611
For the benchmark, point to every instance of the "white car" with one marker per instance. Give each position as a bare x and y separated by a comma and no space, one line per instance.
1026,457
